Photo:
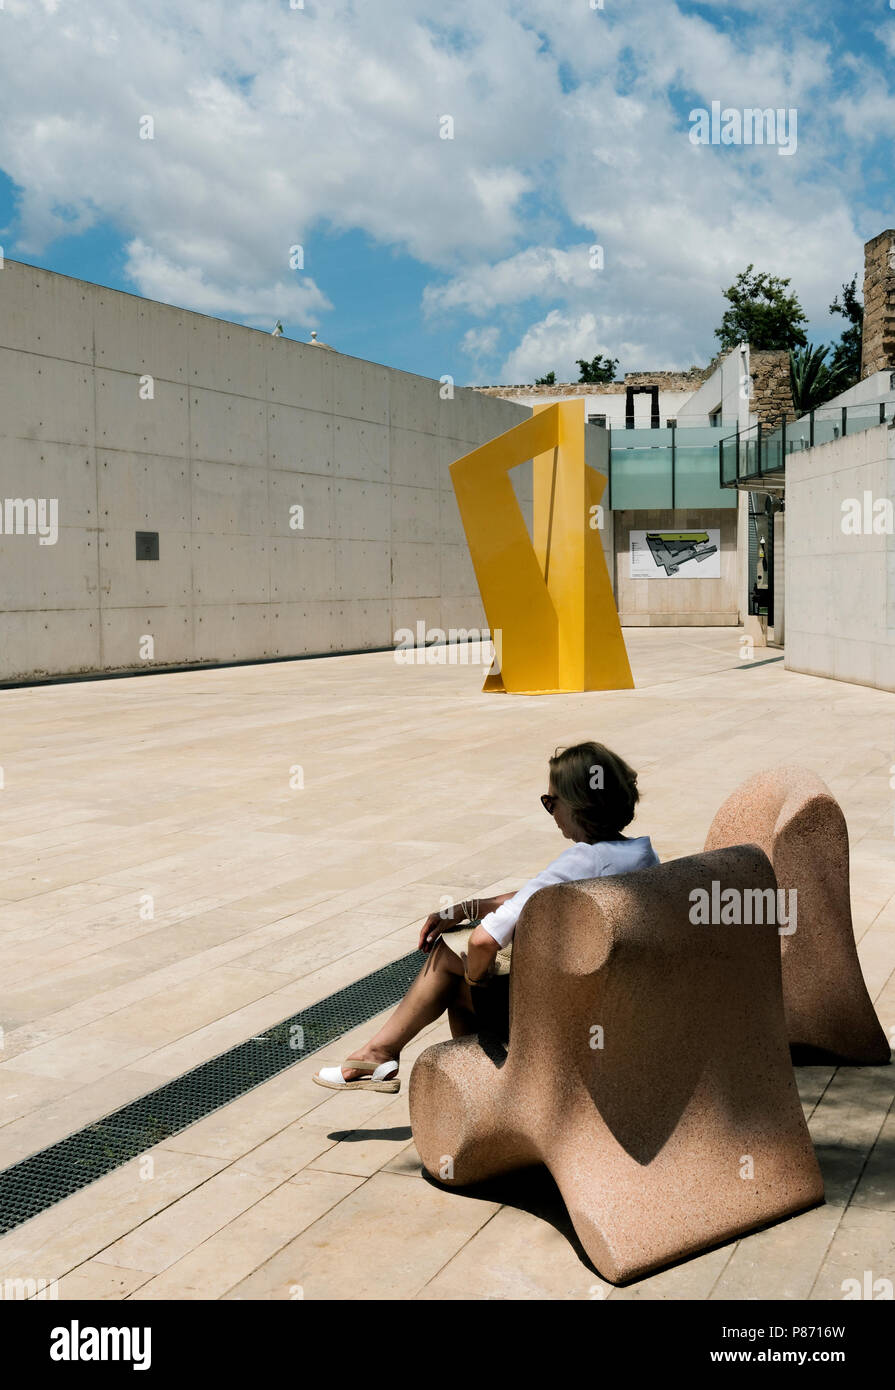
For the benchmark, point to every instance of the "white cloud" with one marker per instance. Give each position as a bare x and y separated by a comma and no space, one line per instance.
271,124
536,272
554,344
259,306
479,343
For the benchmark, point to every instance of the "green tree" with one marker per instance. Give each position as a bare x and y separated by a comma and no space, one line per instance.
761,313
813,380
847,352
548,380
598,369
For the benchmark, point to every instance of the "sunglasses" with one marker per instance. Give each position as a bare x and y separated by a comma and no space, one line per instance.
549,802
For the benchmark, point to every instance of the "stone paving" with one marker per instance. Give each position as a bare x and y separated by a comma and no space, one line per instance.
190,858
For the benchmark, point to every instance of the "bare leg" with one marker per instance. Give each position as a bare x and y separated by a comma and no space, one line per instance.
440,985
462,1023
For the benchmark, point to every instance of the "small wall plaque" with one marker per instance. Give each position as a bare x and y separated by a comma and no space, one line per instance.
147,545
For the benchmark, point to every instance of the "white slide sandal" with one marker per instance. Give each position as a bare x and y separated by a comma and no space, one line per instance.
375,1078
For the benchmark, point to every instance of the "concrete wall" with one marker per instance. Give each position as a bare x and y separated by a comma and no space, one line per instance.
878,387
727,387
241,428
677,602
840,588
778,627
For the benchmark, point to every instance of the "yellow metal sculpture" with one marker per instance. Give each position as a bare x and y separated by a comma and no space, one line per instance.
549,597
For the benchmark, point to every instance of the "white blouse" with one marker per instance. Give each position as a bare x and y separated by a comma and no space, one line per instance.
577,862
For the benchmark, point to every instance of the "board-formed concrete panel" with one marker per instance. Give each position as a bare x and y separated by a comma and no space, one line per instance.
60,576
147,492
362,624
414,461
299,439
360,449
416,514
361,389
362,569
142,337
302,568
45,398
299,374
450,524
305,628
38,468
227,357
230,500
125,632
361,510
231,569
457,573
415,569
414,404
51,315
124,420
227,429
55,640
232,632
301,505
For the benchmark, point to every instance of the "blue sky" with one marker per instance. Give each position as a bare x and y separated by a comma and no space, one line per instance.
321,127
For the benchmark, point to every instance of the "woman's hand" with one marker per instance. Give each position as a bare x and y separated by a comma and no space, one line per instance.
436,923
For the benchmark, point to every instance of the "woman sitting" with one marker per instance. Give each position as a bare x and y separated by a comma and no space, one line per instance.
592,795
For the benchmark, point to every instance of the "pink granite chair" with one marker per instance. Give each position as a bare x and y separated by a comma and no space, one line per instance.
798,823
647,1067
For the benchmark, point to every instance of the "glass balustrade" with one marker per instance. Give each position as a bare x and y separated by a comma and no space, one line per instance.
666,468
761,451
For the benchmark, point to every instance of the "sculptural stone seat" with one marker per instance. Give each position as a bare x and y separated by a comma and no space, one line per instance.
798,823
647,1067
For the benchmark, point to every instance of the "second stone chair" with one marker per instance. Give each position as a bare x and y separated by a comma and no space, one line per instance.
794,817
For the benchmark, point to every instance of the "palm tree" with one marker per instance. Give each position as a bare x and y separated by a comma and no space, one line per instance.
811,380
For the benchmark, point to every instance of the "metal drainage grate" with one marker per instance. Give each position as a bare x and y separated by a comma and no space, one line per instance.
38,1182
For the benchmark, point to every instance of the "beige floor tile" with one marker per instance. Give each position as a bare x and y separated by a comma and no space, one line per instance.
692,1279
517,1256
782,1261
96,1280
183,1008
190,1220
862,1249
876,1186
365,1150
385,1240
79,1057
239,1248
239,1127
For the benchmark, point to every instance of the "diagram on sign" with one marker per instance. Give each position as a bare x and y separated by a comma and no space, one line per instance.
673,554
